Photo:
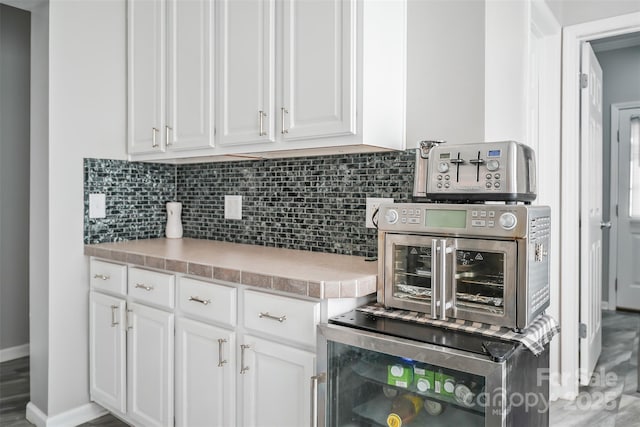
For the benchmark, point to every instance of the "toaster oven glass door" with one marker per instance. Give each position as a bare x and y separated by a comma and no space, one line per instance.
483,281
471,279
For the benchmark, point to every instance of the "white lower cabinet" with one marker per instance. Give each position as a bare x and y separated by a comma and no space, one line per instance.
205,375
276,383
223,356
107,351
150,366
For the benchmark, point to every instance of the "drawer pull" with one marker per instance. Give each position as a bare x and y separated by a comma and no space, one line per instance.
114,320
200,300
272,317
101,277
243,369
221,361
143,286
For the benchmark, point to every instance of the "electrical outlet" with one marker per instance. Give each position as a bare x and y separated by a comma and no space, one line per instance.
374,203
233,207
97,206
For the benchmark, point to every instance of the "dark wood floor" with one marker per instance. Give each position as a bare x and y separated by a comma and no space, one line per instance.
14,396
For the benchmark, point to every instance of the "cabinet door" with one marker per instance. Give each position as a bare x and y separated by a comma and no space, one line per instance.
107,351
205,375
146,75
150,366
276,384
318,68
189,121
246,77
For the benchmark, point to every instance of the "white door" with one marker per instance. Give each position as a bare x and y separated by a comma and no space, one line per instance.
629,208
150,366
318,68
276,381
190,75
107,351
145,75
246,79
205,375
590,215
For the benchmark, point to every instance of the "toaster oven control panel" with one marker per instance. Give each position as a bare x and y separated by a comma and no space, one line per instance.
458,219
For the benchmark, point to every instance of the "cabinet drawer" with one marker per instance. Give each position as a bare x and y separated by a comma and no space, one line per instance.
283,317
207,300
107,276
151,286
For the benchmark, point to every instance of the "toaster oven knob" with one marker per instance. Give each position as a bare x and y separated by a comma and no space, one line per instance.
443,167
508,221
493,165
391,216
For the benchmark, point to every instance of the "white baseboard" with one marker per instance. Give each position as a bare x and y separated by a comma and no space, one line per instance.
72,417
14,352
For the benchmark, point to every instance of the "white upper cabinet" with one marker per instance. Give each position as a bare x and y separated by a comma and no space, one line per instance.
318,61
146,75
190,74
170,76
292,77
246,80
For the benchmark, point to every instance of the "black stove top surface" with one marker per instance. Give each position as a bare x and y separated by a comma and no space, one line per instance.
497,349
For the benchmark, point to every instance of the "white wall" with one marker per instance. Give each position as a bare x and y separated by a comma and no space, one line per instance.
445,71
14,179
506,67
570,12
86,119
39,209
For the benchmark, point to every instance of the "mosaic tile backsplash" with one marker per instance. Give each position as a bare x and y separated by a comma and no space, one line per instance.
136,194
310,203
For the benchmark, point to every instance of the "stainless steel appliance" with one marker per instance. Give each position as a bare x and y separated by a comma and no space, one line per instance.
454,378
499,171
481,262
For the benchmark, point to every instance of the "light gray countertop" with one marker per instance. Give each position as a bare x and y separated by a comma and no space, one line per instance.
314,274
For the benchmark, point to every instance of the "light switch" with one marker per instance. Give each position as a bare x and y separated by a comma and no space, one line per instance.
97,206
233,207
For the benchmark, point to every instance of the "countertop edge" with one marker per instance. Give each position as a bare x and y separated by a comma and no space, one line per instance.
353,288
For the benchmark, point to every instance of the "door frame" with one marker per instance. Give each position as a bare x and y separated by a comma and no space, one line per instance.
571,186
613,234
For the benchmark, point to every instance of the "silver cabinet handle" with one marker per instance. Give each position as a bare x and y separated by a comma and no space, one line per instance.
143,286
221,361
200,300
154,142
434,277
243,369
261,116
284,111
128,325
114,319
167,129
315,380
102,277
604,225
272,317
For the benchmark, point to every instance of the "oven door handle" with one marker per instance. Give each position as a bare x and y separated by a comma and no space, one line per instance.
444,305
434,278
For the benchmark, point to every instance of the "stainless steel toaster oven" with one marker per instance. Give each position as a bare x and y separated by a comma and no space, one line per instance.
486,263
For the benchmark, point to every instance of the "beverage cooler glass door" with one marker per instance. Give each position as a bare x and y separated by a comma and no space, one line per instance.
378,380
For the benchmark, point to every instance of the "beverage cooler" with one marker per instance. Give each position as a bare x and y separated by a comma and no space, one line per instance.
390,372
